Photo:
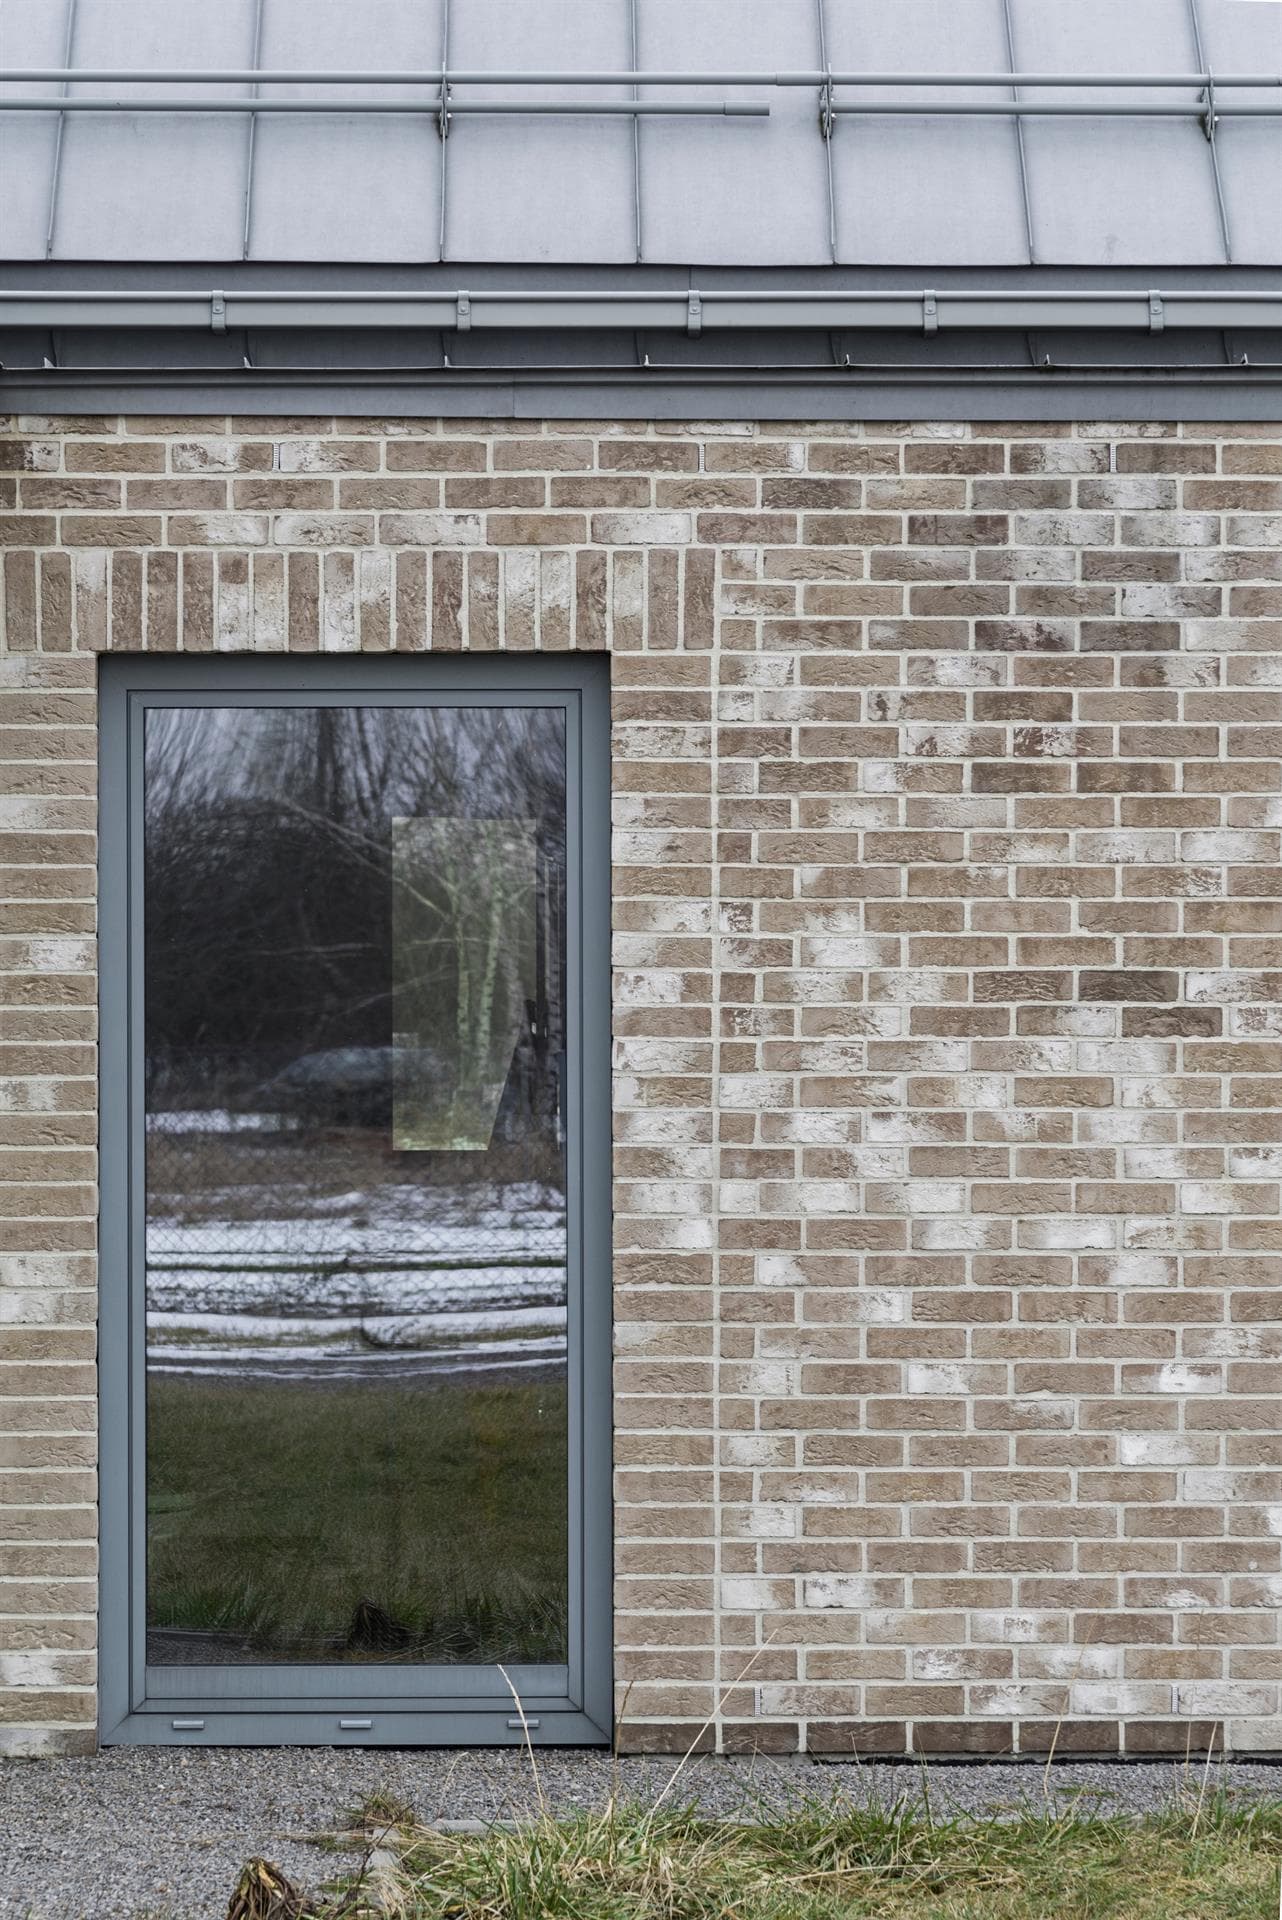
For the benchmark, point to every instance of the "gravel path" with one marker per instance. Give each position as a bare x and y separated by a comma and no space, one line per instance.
156,1831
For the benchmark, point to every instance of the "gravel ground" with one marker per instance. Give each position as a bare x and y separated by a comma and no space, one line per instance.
155,1831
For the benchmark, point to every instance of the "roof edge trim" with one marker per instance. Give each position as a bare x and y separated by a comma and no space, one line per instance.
898,394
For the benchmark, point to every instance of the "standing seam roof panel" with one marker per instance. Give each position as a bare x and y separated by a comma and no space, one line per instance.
555,189
922,190
918,189
30,35
355,186
732,192
1116,192
1248,39
120,195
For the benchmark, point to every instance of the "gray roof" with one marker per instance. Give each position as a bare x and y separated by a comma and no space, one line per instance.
931,190
643,207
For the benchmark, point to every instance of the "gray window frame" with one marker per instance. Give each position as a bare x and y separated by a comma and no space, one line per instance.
384,1706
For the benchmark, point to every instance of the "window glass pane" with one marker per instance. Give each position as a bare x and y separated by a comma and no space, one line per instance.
356,1198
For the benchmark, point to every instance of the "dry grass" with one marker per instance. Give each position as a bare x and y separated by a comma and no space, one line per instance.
1209,1859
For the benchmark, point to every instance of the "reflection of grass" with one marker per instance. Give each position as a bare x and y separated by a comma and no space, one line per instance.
360,1522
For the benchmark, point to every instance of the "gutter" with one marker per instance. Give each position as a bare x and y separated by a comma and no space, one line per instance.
686,310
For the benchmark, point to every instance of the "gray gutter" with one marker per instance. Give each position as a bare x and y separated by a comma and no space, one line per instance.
691,311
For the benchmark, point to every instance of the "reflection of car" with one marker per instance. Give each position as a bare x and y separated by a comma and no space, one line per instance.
338,1086
353,1087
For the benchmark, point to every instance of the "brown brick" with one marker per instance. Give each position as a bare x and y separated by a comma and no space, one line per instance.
26,529
281,490
114,456
535,529
948,929
51,493
956,529
652,456
1133,983
435,455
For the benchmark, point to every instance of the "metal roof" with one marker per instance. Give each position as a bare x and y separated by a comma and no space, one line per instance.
642,206
1128,177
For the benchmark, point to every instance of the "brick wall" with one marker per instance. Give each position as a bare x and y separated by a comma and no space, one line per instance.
948,1016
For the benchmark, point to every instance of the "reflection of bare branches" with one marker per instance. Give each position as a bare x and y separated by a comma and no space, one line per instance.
363,847
356,765
478,953
269,884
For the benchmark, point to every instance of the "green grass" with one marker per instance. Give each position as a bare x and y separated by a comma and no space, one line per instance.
1217,1860
290,1516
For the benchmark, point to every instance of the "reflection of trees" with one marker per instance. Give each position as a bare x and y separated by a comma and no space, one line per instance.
464,932
269,877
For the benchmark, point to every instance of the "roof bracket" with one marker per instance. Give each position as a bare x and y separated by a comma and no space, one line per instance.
463,312
694,313
1210,117
929,312
443,109
218,311
1156,312
825,106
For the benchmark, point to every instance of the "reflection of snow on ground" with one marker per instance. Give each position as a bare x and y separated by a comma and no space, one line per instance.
217,1120
396,1281
311,1364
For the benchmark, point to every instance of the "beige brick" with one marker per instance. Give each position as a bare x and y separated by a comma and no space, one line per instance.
948,947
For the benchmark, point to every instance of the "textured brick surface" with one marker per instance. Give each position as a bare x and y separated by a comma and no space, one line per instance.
948,1027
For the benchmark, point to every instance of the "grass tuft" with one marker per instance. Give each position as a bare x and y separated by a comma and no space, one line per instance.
1216,1858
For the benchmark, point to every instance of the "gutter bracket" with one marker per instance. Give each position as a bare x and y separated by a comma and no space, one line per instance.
443,108
694,313
463,312
218,311
929,312
1156,312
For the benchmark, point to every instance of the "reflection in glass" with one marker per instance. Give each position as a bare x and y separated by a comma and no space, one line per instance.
463,987
356,1225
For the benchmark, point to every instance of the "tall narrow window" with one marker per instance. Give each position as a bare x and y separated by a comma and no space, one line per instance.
357,1241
